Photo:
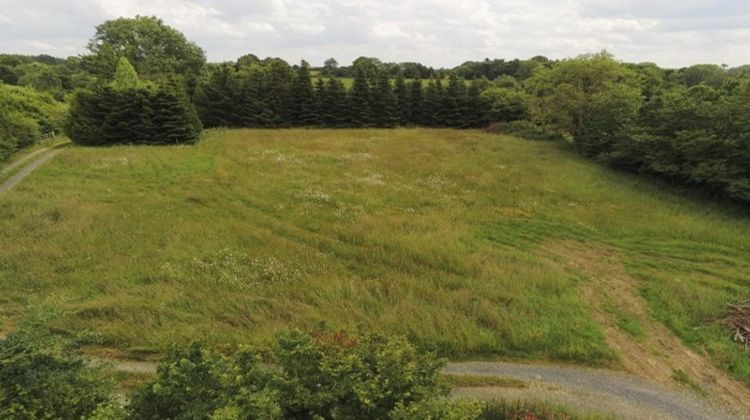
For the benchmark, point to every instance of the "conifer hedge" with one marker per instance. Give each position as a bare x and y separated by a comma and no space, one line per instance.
106,116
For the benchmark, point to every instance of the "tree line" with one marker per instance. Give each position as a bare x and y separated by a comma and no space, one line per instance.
275,94
690,127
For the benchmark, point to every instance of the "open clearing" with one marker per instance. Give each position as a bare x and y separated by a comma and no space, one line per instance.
472,244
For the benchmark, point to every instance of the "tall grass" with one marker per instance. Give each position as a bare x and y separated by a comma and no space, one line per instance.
436,234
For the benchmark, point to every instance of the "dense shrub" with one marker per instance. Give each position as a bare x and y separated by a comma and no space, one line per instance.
25,115
107,116
324,375
41,378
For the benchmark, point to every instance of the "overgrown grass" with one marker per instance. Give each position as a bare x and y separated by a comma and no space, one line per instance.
527,410
435,234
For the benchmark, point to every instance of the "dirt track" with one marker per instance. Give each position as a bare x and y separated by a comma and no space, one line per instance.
44,156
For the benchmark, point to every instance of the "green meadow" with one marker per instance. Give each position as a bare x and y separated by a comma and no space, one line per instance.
441,235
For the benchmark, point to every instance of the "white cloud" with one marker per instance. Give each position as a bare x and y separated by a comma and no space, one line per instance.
436,32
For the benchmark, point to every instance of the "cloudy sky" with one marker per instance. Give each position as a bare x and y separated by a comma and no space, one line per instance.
436,32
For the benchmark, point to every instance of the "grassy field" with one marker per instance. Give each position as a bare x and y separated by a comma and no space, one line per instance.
440,235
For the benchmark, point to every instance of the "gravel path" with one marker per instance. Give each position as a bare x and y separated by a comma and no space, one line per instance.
46,155
590,389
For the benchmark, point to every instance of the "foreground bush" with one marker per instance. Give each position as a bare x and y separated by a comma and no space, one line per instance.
315,376
40,377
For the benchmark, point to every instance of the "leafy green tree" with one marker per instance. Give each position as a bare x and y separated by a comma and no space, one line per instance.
593,98
248,60
157,51
41,77
367,67
708,74
8,75
330,67
507,104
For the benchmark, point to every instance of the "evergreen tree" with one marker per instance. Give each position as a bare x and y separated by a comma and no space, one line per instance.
303,97
252,104
155,116
214,97
321,100
454,102
337,103
383,102
476,107
174,118
402,99
416,103
360,111
432,109
278,91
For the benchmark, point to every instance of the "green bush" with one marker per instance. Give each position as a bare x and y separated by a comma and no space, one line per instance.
20,128
40,377
26,114
326,375
107,116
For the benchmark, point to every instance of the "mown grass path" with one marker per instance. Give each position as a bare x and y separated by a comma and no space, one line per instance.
44,155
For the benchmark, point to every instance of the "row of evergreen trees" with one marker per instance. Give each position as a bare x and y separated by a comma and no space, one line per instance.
271,97
128,111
